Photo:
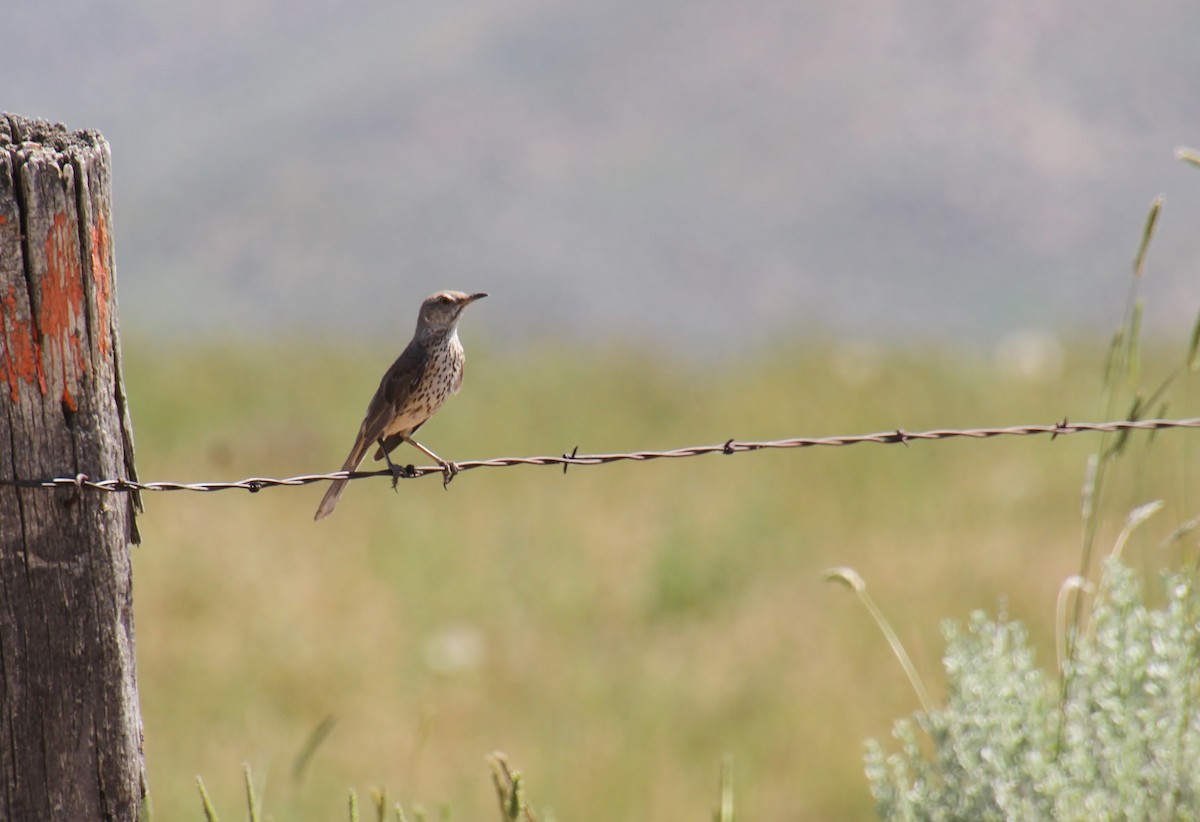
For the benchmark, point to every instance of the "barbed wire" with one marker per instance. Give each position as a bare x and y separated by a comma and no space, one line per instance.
731,446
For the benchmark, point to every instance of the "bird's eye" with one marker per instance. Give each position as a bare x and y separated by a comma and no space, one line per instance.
443,299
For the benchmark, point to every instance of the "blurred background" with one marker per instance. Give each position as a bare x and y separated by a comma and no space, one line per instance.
696,220
685,171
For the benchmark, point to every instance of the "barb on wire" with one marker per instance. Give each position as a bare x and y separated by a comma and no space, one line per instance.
732,446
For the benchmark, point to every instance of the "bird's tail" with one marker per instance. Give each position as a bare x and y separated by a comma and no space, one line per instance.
338,486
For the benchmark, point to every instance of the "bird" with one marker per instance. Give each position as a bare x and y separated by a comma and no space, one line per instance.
412,390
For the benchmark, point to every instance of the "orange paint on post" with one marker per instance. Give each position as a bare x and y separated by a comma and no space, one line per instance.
103,276
20,358
62,303
53,341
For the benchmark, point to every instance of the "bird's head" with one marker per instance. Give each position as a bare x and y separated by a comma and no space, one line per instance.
441,310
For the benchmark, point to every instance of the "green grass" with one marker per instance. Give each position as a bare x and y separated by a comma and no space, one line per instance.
616,631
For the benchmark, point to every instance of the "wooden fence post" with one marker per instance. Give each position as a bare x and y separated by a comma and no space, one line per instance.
70,726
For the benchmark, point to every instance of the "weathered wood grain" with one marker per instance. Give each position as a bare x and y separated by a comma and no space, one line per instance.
70,727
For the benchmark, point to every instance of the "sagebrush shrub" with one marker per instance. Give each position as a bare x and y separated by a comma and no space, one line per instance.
1117,737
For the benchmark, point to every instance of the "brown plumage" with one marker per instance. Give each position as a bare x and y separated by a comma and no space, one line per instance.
423,377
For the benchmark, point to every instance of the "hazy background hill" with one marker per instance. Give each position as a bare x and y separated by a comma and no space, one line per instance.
703,169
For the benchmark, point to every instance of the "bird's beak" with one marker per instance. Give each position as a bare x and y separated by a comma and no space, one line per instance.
473,297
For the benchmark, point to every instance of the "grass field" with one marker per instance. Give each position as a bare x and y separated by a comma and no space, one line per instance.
616,631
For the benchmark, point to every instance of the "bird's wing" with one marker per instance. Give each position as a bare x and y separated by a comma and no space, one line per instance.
395,388
397,385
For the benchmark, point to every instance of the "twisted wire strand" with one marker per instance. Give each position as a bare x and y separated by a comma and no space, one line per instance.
731,446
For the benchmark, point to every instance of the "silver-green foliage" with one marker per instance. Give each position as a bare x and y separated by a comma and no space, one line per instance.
1117,738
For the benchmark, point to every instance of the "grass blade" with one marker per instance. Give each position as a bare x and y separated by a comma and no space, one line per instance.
1188,155
1193,357
1135,519
1071,585
318,735
1113,358
210,813
725,809
251,798
1139,261
851,578
1134,355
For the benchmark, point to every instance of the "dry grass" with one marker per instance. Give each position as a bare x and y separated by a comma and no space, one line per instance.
616,631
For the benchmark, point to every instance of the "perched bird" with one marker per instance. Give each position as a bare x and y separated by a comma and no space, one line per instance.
423,377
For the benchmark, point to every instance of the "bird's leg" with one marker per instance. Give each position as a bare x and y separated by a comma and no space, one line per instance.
397,471
449,468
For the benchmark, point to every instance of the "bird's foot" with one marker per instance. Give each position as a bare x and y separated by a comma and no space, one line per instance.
449,472
400,472
397,474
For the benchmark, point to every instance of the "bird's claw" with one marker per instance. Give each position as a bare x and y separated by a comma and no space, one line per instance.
397,473
449,472
400,472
